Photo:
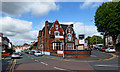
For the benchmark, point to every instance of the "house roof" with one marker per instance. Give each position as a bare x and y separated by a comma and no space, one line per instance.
63,26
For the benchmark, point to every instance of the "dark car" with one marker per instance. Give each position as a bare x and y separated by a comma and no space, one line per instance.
32,52
27,52
95,48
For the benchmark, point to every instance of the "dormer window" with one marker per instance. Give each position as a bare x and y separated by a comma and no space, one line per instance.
69,36
57,33
69,30
56,26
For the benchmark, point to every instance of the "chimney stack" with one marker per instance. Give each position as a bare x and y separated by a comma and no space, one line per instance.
1,34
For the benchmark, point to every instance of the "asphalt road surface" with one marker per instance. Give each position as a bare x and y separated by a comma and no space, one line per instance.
30,62
45,63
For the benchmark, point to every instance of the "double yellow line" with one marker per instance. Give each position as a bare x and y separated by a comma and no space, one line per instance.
12,66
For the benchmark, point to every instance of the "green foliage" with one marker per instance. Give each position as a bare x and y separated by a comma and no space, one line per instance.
107,19
31,47
94,39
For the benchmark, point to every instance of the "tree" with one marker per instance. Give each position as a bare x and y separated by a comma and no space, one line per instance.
31,47
25,44
94,40
107,20
88,38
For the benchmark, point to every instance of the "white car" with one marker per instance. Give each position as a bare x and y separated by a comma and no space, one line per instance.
110,50
37,53
15,55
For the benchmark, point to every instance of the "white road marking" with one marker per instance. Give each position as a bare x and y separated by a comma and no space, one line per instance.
93,56
108,65
44,63
36,60
32,58
59,68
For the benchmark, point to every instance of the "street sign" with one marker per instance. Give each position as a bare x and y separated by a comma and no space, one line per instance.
81,41
81,36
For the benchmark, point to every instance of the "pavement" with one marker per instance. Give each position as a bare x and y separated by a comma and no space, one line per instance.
6,63
117,53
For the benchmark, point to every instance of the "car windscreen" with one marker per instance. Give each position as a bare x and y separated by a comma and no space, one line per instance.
16,53
37,52
111,48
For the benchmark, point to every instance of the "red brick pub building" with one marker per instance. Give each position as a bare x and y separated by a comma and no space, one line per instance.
56,39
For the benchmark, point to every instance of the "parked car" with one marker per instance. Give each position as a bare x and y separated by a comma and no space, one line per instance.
19,53
31,52
27,52
103,49
38,53
15,55
95,48
110,50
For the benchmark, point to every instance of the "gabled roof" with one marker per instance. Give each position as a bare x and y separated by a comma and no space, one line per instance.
62,25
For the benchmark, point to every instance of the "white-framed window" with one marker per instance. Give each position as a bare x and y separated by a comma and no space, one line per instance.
63,32
69,30
56,26
69,36
57,46
57,33
0,39
69,46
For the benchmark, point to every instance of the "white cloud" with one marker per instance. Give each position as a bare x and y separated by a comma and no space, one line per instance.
92,3
81,28
17,30
36,8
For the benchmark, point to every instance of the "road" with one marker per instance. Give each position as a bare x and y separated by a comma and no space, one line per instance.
30,62
47,63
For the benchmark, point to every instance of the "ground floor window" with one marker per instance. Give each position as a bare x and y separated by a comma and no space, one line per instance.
70,46
57,46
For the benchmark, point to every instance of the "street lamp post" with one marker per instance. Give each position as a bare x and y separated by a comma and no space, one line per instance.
64,47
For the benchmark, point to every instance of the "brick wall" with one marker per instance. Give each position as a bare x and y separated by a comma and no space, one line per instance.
73,53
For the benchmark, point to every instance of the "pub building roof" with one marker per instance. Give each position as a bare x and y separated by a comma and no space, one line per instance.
49,25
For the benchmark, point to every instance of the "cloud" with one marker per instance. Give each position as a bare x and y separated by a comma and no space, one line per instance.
81,28
36,8
17,30
92,3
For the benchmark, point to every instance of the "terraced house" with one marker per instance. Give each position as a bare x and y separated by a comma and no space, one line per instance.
55,37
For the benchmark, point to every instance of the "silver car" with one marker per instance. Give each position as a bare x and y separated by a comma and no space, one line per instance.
15,55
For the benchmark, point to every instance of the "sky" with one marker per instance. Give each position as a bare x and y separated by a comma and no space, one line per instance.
21,21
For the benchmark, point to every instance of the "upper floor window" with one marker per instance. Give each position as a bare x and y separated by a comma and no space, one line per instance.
69,36
56,26
69,30
57,33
